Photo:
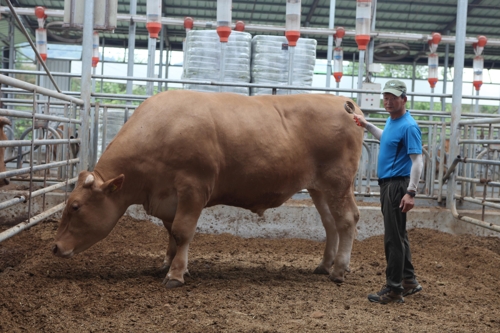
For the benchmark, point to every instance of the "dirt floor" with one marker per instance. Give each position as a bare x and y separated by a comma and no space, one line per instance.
241,285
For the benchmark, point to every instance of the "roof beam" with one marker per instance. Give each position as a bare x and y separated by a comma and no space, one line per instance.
453,22
311,12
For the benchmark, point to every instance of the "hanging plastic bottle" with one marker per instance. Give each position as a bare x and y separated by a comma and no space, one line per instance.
478,65
153,18
363,22
433,63
292,25
338,59
41,42
224,19
95,49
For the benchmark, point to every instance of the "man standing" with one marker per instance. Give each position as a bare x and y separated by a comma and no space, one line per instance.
399,168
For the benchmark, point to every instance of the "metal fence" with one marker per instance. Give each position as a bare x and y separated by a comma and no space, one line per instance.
45,153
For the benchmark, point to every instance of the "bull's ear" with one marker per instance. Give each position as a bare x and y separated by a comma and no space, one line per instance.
113,185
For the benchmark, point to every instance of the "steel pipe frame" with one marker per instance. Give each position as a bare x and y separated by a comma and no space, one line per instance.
24,114
392,36
479,181
31,222
17,172
28,38
45,190
263,28
16,143
32,88
331,21
471,220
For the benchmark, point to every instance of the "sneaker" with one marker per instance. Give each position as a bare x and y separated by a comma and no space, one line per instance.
411,287
386,295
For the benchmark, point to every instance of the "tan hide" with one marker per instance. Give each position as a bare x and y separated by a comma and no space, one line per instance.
182,151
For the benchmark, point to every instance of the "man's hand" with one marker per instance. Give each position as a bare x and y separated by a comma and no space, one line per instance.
407,203
360,120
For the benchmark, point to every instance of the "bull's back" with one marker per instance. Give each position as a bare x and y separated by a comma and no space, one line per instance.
254,150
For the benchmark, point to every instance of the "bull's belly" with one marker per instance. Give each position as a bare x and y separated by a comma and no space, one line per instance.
255,202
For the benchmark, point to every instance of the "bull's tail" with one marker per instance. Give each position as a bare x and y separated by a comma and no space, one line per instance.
349,107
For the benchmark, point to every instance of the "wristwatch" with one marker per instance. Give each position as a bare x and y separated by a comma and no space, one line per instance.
411,194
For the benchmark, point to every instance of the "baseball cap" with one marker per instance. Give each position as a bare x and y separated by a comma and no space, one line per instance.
395,87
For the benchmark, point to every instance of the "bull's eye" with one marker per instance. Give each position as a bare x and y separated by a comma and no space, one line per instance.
75,206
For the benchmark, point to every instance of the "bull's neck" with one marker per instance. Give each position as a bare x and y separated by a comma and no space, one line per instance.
131,191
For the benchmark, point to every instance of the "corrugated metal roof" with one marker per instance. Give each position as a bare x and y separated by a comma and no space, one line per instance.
399,16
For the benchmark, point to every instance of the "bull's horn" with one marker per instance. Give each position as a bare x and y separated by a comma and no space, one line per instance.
89,180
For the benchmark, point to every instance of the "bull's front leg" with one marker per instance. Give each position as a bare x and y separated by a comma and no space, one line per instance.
189,208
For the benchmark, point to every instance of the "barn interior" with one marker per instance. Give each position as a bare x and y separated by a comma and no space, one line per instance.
58,75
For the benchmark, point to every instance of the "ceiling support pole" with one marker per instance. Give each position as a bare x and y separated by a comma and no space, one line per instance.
456,108
331,21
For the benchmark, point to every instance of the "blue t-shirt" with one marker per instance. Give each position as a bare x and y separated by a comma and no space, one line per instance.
400,138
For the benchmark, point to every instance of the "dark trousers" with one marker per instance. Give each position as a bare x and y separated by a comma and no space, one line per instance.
396,244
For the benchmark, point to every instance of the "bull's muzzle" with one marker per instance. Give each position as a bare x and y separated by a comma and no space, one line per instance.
58,252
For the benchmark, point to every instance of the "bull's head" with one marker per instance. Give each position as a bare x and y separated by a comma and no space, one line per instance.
90,214
3,121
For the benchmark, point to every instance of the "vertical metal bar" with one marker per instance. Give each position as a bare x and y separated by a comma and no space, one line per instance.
131,46
485,185
371,44
291,55
87,113
104,128
168,58
95,136
331,21
151,65
361,69
12,57
445,78
160,61
32,147
413,74
441,164
64,148
352,74
433,159
223,63
456,108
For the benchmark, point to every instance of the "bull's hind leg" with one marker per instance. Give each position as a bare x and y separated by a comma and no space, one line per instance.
189,207
171,249
332,237
346,215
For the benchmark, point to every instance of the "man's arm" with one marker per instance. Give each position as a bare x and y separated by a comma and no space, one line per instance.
416,170
374,130
408,201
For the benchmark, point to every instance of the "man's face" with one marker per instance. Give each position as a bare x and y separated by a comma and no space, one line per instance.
394,103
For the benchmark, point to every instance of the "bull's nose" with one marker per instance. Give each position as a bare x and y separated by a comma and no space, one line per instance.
55,249
6,181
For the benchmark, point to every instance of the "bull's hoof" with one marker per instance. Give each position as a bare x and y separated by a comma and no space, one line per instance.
321,270
336,279
170,284
164,267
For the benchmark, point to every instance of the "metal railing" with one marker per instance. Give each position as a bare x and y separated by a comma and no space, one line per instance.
41,162
431,185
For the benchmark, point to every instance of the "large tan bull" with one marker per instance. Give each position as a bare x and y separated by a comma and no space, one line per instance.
3,121
182,151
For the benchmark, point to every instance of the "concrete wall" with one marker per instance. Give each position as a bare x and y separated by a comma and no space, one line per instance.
295,219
